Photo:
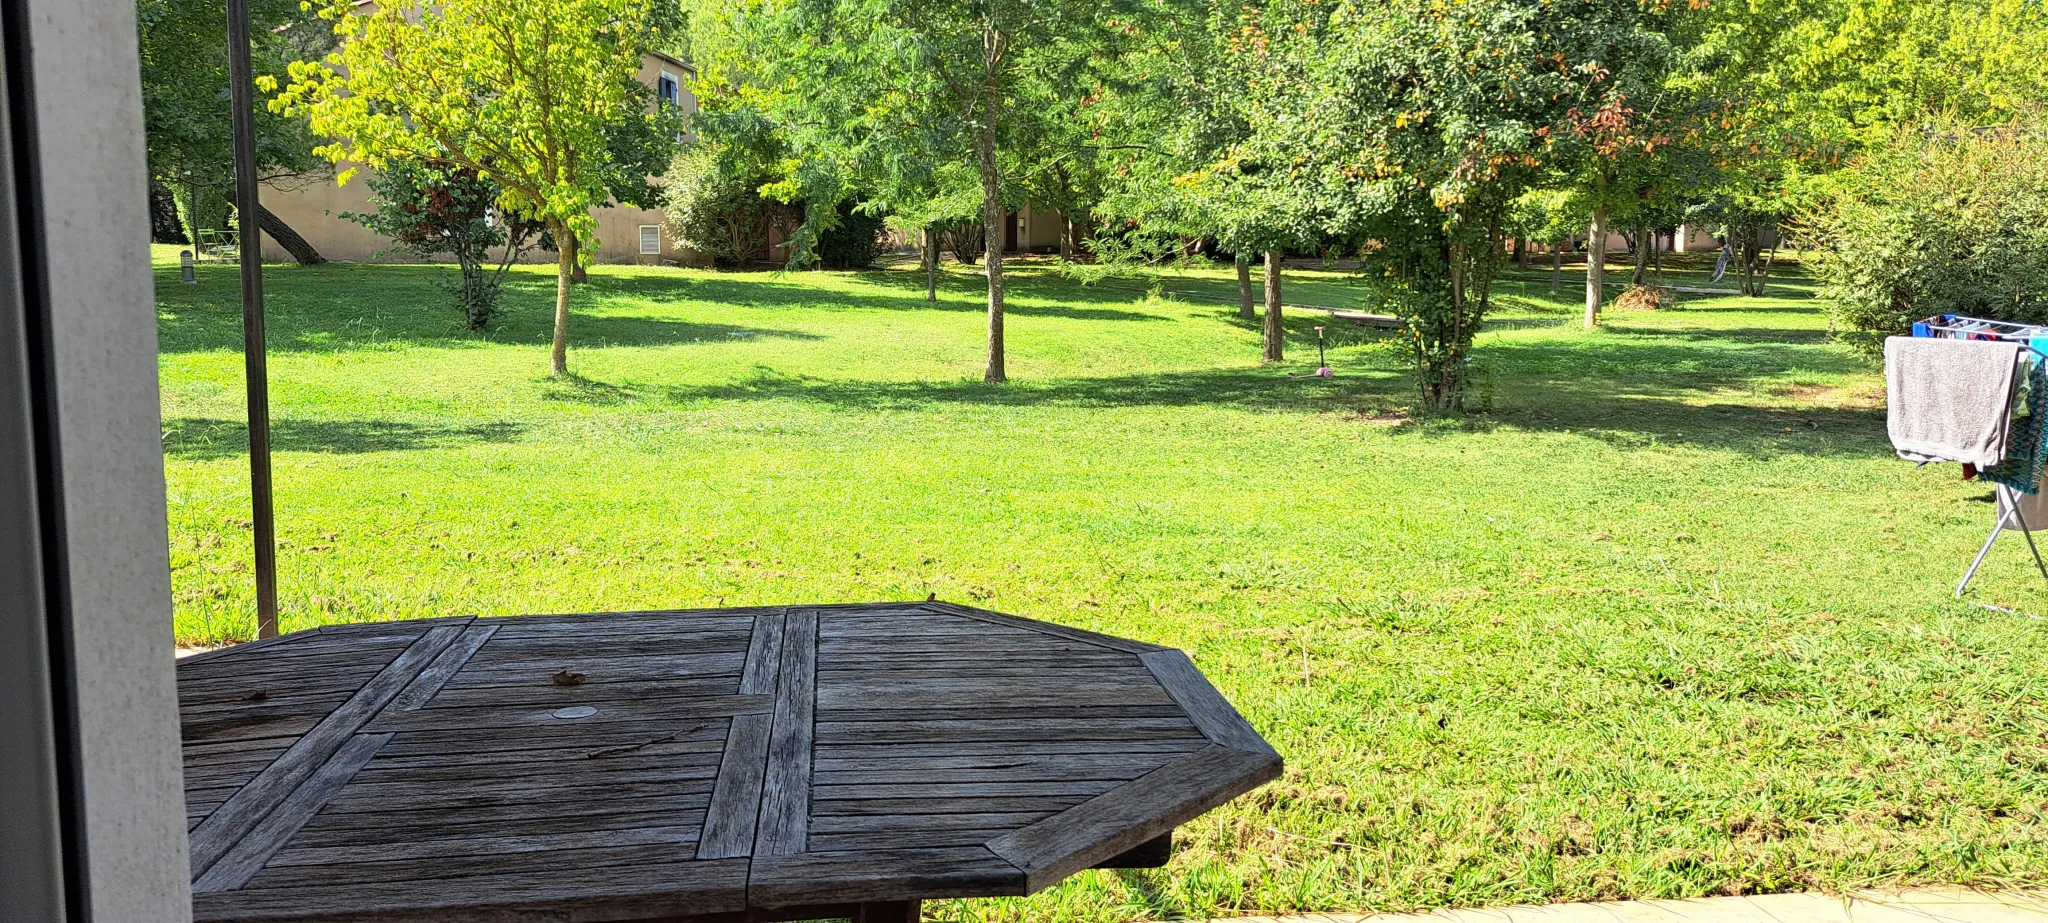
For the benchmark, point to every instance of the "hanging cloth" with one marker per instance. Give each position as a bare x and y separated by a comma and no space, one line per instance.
2027,443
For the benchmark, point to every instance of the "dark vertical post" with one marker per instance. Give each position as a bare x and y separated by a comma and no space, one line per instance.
242,93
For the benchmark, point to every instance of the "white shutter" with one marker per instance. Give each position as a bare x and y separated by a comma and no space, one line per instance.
650,238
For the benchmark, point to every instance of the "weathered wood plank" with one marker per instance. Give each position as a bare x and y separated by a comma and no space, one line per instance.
392,822
253,850
627,768
881,875
358,799
1077,688
596,739
239,651
1061,765
226,728
1074,634
1108,714
544,691
541,865
933,695
486,761
574,890
523,826
942,790
896,807
247,808
625,668
870,840
786,789
1219,721
1105,770
624,709
1131,814
1022,729
729,827
1019,749
431,851
423,687
913,824
599,644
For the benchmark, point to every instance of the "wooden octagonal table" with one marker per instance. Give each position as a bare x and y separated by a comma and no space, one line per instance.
731,764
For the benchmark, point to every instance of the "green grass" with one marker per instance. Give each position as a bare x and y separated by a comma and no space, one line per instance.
1668,620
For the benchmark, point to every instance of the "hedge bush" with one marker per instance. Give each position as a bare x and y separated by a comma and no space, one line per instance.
1938,222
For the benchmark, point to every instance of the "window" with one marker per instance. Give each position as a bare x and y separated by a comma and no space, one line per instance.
650,238
669,88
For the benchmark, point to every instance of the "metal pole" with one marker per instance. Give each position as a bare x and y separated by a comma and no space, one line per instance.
242,93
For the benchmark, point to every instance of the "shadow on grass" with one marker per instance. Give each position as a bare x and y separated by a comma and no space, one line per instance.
349,306
201,439
1632,419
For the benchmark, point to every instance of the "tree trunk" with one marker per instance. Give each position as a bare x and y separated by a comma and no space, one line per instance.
1066,239
1244,288
1522,252
1274,330
1642,256
565,266
574,251
931,266
1596,266
1765,277
1657,256
1557,267
992,257
287,238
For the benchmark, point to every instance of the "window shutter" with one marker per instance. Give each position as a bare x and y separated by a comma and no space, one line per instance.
650,238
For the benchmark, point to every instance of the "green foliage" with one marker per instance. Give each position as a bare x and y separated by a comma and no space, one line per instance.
856,239
429,210
1417,126
1951,222
186,117
541,97
716,208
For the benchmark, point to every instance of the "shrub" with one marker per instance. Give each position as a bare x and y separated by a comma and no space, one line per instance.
1937,222
855,242
428,209
715,206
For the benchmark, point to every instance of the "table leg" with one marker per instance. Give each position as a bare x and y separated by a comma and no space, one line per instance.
1151,854
890,912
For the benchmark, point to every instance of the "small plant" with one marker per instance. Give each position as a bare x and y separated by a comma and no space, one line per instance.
430,209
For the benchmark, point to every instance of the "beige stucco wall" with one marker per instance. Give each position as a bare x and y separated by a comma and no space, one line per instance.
314,206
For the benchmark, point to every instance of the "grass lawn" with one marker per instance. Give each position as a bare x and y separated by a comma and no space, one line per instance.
1668,620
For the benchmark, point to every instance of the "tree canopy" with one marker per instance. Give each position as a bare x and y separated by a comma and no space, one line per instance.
534,95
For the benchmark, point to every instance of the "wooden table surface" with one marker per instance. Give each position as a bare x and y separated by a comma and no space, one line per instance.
739,764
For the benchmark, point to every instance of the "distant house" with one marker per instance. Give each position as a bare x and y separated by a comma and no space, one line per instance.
625,235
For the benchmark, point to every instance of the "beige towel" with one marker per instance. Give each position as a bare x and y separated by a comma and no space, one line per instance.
1949,400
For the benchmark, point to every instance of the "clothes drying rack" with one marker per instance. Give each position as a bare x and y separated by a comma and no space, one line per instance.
2034,338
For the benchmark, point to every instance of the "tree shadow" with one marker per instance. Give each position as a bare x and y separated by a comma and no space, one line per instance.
201,439
790,291
353,306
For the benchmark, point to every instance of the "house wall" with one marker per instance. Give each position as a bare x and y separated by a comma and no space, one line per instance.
314,206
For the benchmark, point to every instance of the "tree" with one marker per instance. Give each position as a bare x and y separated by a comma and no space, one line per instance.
187,121
1415,125
429,209
527,93
881,95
